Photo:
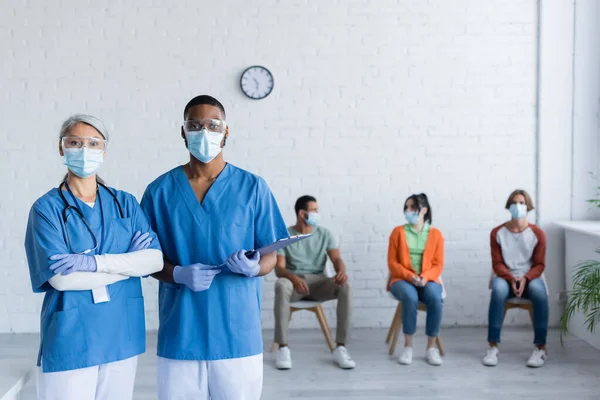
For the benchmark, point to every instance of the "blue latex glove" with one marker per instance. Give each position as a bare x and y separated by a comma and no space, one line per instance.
140,242
238,263
197,277
68,263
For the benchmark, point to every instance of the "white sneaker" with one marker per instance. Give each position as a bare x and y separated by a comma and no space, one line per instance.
491,357
283,358
406,356
342,358
537,359
432,355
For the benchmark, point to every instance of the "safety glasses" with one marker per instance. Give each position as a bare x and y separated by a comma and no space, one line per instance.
76,142
213,125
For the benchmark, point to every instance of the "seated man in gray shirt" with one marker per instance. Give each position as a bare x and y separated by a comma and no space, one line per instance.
300,268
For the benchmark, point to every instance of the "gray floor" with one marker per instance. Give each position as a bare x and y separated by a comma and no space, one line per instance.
572,372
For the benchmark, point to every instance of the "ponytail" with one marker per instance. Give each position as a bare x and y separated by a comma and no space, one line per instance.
424,202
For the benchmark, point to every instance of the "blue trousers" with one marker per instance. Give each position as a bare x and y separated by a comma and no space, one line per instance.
409,295
534,291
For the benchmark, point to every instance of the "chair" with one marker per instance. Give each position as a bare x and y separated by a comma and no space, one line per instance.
317,308
516,302
395,327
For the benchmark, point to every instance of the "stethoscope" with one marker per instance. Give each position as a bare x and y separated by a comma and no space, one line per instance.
78,211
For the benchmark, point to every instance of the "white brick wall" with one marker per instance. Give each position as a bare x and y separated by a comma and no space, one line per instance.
373,100
586,113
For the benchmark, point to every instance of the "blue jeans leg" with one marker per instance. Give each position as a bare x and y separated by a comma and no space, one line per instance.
500,292
431,295
406,293
536,292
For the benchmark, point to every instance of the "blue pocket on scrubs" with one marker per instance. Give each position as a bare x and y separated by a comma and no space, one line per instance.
121,231
65,335
244,312
136,320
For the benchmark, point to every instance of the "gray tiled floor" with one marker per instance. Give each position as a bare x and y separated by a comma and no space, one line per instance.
571,372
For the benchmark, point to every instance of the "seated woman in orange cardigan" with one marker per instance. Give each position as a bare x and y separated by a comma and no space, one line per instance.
416,260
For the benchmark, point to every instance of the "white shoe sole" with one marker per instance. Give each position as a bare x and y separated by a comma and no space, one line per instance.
490,363
535,366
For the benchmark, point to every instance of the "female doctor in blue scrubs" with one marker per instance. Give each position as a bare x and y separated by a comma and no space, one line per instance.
87,246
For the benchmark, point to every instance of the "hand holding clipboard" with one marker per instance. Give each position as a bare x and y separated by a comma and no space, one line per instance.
270,248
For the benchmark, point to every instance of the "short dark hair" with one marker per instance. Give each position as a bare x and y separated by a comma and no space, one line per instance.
528,200
421,201
200,100
302,203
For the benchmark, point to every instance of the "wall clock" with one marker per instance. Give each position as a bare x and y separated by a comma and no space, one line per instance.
257,82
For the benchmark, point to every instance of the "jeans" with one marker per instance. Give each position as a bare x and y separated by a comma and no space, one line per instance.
534,291
409,295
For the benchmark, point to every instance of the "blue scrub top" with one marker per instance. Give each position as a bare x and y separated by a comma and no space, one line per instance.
238,212
75,332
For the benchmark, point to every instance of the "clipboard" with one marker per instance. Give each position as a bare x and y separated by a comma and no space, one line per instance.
270,248
280,244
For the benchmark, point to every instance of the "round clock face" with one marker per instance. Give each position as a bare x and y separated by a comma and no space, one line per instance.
257,82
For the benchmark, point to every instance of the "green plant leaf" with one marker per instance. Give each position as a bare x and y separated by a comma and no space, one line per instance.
584,297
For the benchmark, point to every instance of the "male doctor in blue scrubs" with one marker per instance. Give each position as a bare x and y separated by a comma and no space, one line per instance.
207,214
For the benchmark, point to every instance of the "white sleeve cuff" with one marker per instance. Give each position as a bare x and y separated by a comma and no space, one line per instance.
83,281
137,263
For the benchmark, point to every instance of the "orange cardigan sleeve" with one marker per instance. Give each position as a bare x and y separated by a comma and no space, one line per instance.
395,250
538,259
500,269
433,270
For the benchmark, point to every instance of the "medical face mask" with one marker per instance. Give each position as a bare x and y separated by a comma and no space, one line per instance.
412,217
518,211
83,162
313,219
204,145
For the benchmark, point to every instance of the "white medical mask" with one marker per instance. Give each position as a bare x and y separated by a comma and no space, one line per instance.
313,219
204,144
412,217
518,211
83,162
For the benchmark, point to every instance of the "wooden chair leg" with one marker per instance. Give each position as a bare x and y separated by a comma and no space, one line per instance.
397,328
438,341
323,322
393,325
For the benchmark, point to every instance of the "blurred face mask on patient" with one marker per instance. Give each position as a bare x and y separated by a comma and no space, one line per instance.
312,218
518,211
412,217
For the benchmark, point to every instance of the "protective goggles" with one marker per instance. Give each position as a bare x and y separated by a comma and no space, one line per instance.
76,142
213,125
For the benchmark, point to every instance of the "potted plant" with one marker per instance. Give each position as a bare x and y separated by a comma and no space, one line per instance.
584,297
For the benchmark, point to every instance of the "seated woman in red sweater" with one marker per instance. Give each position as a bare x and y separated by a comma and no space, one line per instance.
416,260
518,259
